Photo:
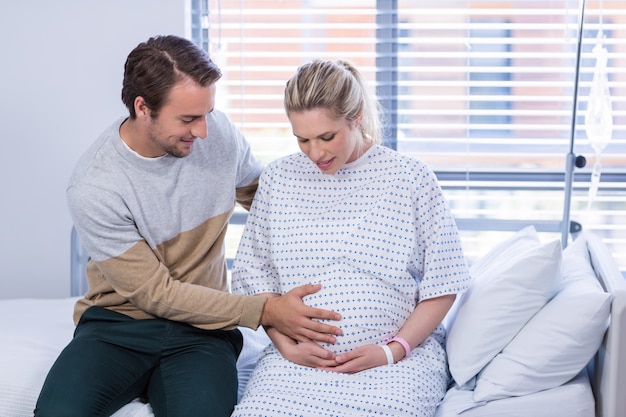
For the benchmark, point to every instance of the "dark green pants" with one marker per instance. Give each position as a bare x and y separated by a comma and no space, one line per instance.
112,359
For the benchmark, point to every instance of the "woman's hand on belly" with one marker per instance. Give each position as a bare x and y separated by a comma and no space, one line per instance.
359,359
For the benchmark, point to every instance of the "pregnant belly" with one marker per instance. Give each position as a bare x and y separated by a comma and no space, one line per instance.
372,310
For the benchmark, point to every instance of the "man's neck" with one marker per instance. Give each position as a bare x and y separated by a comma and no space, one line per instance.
134,137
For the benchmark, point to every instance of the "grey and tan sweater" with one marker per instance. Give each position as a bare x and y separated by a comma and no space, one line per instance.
155,228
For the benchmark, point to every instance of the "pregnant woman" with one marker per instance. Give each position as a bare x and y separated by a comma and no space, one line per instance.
372,227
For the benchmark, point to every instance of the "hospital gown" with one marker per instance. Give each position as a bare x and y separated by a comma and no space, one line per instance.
378,235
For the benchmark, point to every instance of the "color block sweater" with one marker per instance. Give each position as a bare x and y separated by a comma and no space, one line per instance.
155,227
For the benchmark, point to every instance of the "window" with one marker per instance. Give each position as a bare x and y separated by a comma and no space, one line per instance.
496,83
485,92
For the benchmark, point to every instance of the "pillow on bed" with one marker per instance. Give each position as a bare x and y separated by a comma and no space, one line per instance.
524,239
499,255
577,263
558,342
510,284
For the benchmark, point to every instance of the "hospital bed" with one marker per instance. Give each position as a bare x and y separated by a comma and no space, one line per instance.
584,376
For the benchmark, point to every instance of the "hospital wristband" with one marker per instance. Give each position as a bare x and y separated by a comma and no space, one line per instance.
388,354
404,343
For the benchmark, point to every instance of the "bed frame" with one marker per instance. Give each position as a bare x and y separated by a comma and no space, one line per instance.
607,370
608,367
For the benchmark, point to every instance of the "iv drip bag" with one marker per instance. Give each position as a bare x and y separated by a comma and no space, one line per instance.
598,119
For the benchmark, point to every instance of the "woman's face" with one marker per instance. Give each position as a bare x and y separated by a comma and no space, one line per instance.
328,142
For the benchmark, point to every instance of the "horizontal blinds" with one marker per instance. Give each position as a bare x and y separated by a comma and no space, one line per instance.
483,91
259,44
497,84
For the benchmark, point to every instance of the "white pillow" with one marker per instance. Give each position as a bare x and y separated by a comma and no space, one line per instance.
558,342
518,242
499,255
577,263
505,293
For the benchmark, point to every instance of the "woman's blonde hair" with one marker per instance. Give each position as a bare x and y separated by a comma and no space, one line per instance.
338,87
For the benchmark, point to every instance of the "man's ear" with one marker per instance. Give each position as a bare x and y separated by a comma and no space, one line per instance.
141,108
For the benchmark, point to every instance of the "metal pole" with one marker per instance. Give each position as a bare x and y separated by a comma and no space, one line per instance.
570,157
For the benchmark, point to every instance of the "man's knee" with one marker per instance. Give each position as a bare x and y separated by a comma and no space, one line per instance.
51,404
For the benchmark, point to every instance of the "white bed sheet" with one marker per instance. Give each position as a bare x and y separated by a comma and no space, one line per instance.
27,355
574,399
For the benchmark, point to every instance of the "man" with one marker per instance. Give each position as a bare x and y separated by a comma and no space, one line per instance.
151,204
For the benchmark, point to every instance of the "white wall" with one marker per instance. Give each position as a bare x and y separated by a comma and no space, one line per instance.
61,70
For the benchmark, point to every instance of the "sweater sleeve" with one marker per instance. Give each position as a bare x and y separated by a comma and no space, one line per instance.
139,277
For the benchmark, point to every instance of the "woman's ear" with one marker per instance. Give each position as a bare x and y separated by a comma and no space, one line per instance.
358,120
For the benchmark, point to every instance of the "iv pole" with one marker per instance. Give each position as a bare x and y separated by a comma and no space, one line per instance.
570,160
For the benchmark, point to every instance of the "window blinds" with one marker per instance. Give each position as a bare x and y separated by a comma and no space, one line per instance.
483,91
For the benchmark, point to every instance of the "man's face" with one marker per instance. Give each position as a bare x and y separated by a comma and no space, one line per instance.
181,120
